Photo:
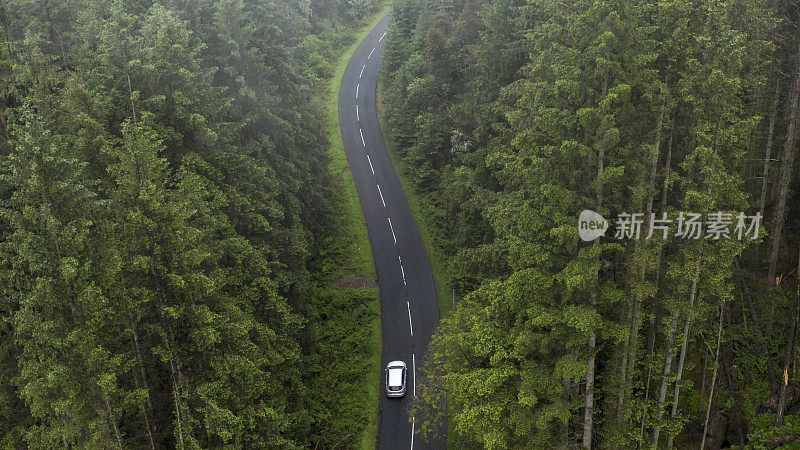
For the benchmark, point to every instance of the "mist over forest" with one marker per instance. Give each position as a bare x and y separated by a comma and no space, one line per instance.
181,242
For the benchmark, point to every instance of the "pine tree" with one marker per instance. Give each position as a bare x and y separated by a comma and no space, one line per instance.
67,376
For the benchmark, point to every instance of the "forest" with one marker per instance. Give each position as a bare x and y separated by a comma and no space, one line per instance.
510,117
170,227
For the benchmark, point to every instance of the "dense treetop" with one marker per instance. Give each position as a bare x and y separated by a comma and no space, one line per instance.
168,224
511,117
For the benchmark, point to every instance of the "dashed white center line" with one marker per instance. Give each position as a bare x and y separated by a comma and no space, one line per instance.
362,137
382,36
381,194
392,228
410,326
371,168
403,272
413,376
357,86
358,117
412,433
362,70
370,53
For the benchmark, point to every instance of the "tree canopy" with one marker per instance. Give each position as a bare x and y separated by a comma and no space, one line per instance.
511,117
169,227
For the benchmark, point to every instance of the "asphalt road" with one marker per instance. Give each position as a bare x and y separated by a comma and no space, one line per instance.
409,309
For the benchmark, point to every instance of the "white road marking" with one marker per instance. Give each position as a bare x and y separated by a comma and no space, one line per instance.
392,228
412,433
371,168
411,327
358,117
413,376
402,271
357,86
362,137
381,194
362,70
370,53
382,36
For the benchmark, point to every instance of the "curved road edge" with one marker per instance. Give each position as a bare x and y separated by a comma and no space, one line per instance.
409,304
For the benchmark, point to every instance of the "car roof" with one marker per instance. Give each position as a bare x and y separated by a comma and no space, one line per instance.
395,377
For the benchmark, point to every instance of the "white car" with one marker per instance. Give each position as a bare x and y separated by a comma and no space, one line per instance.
396,379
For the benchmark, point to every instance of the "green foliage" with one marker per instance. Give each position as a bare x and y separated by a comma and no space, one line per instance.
514,116
169,229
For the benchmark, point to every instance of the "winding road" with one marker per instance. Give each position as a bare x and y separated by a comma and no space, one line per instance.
409,309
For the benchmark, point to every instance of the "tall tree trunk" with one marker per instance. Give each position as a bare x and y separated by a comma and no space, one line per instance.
662,396
148,413
684,345
758,324
651,345
623,371
713,378
632,341
783,193
656,281
111,420
176,377
177,399
588,414
789,355
773,115
657,147
705,371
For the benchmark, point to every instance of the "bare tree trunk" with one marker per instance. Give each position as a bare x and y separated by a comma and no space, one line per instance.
657,147
177,400
634,314
174,367
684,345
783,193
662,396
713,378
657,279
149,409
789,356
705,371
111,420
651,345
758,324
625,351
588,414
773,115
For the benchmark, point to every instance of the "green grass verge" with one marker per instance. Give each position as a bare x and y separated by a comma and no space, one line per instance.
361,256
436,257
361,262
370,435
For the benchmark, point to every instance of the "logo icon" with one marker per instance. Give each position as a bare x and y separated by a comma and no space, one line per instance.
591,225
